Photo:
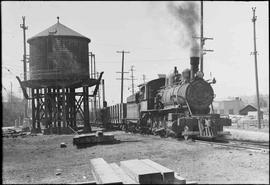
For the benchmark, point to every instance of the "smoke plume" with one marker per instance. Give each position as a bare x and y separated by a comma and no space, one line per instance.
187,15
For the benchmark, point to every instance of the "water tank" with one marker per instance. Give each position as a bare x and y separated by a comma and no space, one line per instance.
58,53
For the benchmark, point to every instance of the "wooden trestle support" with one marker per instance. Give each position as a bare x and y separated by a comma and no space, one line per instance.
57,109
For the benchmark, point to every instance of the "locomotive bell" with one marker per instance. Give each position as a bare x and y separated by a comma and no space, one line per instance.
194,66
199,74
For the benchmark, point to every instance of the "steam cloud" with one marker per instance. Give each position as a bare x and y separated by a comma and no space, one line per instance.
187,15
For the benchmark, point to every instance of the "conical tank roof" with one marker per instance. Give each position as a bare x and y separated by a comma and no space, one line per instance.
58,29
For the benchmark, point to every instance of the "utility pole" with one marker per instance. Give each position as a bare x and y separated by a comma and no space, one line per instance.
98,93
24,63
95,97
93,75
122,72
103,93
94,69
202,41
91,64
144,78
11,97
254,18
132,78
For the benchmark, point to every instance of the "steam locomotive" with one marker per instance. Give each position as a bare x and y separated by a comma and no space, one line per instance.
179,105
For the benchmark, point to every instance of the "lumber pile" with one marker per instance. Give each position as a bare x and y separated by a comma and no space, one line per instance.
13,133
94,138
134,171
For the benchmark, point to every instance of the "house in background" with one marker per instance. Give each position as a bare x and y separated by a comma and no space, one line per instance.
226,107
246,109
250,110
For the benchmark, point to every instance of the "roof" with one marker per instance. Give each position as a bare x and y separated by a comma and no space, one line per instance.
248,108
58,29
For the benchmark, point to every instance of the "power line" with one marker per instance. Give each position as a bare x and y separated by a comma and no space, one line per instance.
151,60
137,47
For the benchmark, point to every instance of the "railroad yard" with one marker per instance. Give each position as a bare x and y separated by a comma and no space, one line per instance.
194,119
36,159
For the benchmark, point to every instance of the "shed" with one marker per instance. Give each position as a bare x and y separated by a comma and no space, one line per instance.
246,109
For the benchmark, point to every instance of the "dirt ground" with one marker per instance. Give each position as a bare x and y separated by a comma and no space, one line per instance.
35,159
241,134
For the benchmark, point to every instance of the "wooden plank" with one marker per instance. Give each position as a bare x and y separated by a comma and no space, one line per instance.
179,180
88,182
84,139
103,172
123,176
140,172
106,138
167,174
191,182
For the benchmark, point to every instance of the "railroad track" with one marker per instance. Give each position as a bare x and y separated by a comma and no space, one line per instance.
237,144
254,146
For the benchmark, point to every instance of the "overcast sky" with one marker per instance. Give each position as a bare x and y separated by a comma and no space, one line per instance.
150,32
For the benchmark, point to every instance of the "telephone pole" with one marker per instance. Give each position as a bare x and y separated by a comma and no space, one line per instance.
94,67
98,93
24,63
91,64
93,74
95,97
202,40
122,72
254,18
144,78
11,97
132,78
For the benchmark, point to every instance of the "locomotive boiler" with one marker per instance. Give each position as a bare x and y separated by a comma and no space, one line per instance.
188,89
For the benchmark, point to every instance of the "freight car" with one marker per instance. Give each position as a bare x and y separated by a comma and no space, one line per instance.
179,105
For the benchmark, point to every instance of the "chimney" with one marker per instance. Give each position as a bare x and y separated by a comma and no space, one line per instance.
194,66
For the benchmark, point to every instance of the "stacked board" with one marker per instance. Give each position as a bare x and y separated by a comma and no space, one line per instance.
133,171
93,138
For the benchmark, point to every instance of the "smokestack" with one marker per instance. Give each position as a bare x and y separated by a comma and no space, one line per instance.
194,66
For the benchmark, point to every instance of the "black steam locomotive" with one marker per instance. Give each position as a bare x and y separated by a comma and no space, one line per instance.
174,105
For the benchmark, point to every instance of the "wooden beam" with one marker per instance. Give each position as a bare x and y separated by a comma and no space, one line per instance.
191,182
140,172
89,182
179,180
84,139
103,172
123,176
167,174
